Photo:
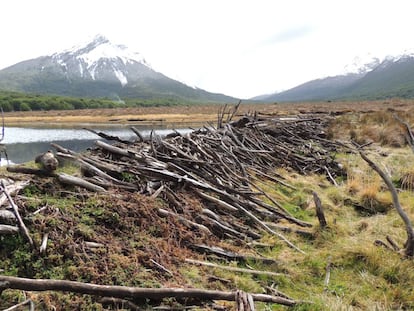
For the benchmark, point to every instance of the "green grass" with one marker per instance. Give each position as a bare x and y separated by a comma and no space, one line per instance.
363,275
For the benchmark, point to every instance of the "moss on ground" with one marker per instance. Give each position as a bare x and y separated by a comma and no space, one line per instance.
131,237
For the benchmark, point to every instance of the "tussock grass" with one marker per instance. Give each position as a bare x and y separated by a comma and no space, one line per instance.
363,275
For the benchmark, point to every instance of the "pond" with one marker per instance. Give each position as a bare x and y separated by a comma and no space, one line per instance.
23,144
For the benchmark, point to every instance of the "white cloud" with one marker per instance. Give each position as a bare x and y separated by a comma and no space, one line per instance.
240,48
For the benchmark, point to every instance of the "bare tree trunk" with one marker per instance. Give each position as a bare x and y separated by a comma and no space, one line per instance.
409,244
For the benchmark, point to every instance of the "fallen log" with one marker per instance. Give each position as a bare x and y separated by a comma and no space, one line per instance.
125,292
32,171
76,181
7,229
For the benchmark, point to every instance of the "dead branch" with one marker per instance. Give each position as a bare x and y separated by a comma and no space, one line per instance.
26,302
7,217
106,136
32,171
119,304
392,243
7,229
409,134
133,293
218,251
43,246
409,244
15,208
328,273
12,187
184,221
76,181
235,269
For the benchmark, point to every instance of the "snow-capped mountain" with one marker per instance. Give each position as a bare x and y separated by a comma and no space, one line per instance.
98,68
102,60
364,78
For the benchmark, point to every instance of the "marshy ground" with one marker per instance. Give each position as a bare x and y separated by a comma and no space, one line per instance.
359,211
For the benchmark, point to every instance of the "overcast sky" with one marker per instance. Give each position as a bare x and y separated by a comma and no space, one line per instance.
236,47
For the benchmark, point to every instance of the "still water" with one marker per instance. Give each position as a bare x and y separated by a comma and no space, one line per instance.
24,143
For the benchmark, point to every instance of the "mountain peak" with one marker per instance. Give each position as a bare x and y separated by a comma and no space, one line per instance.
101,48
100,59
99,38
361,64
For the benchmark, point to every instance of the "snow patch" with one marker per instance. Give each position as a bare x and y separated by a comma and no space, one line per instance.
361,64
121,77
110,51
81,69
92,72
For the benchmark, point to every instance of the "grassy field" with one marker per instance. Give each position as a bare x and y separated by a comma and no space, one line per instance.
359,211
196,113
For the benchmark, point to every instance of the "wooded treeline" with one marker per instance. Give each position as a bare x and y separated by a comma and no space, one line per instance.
12,101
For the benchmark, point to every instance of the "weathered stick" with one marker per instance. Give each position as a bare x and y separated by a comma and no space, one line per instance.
12,188
26,302
409,245
161,267
7,217
17,214
125,292
29,170
217,251
136,131
76,181
118,304
184,220
392,243
43,246
235,269
409,134
106,136
7,229
319,210
328,274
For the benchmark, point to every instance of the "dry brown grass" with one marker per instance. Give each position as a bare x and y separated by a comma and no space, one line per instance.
204,113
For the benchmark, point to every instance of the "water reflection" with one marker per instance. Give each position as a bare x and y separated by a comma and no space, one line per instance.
23,144
24,152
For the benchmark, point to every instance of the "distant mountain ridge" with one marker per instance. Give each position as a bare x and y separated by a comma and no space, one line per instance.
98,69
391,77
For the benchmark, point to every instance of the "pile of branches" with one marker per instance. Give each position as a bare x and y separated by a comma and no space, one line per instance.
217,167
217,164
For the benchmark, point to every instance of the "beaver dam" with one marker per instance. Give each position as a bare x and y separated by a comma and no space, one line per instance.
170,222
